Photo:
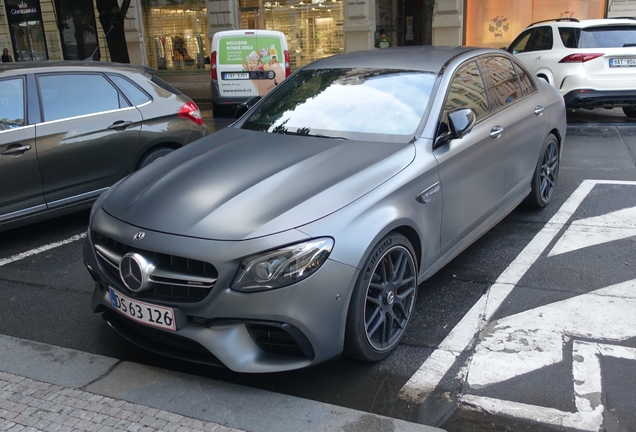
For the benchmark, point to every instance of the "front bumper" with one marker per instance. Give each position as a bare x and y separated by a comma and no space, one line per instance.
282,329
589,99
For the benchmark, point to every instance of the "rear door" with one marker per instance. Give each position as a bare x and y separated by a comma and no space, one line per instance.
88,136
20,182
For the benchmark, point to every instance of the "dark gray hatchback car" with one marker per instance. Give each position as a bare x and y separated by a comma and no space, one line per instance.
69,130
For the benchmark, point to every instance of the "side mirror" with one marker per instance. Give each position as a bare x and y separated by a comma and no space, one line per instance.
245,107
458,123
461,121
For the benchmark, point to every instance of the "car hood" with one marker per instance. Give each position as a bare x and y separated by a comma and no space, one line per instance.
238,184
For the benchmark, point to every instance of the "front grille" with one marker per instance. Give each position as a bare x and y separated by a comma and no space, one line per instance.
175,278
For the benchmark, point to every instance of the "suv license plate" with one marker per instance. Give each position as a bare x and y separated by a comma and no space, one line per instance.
622,62
236,75
142,312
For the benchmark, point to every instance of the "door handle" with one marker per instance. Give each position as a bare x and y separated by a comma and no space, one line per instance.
120,124
538,110
16,151
496,132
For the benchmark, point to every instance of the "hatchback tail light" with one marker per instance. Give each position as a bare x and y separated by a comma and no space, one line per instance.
213,74
287,64
580,58
191,112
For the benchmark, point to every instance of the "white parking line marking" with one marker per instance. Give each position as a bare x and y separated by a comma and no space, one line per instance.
586,373
428,376
41,249
593,231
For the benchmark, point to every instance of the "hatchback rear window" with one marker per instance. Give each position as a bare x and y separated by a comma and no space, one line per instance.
599,37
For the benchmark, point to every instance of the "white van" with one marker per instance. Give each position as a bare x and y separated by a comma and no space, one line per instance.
245,64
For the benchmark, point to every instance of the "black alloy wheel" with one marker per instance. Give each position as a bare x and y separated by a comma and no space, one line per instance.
546,174
383,300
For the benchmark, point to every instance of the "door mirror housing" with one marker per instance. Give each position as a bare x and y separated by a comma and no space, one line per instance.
458,123
245,107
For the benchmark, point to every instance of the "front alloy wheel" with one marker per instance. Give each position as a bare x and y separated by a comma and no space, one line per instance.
383,300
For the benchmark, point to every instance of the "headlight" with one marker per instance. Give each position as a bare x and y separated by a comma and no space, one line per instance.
281,267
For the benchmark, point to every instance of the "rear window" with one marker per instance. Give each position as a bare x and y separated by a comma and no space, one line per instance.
599,37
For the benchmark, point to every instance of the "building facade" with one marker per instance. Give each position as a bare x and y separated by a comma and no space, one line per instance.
174,35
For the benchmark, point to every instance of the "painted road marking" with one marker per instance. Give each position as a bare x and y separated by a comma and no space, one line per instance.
530,340
586,373
429,375
41,249
593,231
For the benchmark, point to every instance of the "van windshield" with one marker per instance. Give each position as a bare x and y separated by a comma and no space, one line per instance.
345,103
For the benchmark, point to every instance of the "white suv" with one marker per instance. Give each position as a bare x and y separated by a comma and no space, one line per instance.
591,62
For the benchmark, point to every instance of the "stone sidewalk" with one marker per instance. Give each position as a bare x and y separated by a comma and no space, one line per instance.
28,405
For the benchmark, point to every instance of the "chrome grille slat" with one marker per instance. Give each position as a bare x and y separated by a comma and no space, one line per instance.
174,278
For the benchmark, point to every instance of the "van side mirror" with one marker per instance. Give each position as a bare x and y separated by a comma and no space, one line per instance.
245,106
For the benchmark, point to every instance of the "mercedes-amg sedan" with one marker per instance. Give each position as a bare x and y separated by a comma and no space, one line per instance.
303,230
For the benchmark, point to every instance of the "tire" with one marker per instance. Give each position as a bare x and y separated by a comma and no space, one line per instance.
630,112
217,110
152,156
382,301
545,175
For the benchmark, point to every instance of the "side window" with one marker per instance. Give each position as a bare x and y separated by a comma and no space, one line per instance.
71,95
467,90
519,44
540,40
135,95
501,81
527,85
569,36
11,103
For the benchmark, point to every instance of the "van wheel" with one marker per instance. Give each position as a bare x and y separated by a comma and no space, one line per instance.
545,175
382,301
630,112
217,110
152,156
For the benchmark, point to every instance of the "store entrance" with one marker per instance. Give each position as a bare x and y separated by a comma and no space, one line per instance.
28,41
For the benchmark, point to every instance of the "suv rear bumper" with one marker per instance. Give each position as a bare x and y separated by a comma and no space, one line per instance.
590,99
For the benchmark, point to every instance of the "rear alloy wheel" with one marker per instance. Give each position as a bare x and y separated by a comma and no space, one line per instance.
545,175
382,301
630,112
152,156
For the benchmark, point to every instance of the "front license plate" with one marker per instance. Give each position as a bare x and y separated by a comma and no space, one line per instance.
622,62
142,312
236,75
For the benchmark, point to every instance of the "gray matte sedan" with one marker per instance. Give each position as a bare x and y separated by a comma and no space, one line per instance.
303,230
69,130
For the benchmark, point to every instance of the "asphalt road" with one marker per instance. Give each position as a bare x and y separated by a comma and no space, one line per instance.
45,297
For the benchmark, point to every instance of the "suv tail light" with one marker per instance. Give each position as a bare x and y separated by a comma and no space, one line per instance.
287,65
213,66
580,58
191,112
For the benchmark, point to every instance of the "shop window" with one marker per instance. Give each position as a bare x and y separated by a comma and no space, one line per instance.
496,23
467,91
77,29
176,34
314,28
501,81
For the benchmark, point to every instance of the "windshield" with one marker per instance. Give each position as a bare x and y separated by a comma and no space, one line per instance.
344,103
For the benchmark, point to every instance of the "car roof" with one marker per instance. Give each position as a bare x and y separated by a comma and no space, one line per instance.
573,22
63,65
422,58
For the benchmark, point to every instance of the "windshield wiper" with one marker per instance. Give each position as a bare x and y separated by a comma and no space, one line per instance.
629,45
288,132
